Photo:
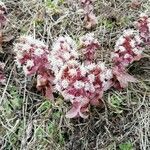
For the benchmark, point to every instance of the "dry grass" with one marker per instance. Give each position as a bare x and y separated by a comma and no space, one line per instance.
28,121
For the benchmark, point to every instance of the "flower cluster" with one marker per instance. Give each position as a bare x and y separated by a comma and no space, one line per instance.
81,82
3,19
63,50
88,46
127,49
3,11
33,55
89,16
143,26
82,85
2,76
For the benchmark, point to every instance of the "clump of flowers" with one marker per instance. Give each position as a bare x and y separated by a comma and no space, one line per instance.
143,26
135,4
81,82
2,76
3,19
127,49
3,12
33,56
63,50
90,19
88,45
82,85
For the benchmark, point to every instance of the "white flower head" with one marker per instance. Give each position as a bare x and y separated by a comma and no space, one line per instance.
138,39
120,41
66,56
143,15
25,69
83,70
38,51
102,66
91,66
78,84
148,25
137,51
132,43
127,56
92,89
87,87
122,48
58,87
71,42
65,84
108,74
128,32
30,63
68,43
91,78
102,77
88,39
114,55
72,72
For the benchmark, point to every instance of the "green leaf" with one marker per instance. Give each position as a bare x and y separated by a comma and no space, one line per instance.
126,146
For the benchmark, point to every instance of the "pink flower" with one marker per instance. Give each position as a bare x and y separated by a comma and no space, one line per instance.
121,78
3,11
2,76
127,49
143,26
33,55
90,19
88,46
78,110
44,83
81,84
86,1
63,50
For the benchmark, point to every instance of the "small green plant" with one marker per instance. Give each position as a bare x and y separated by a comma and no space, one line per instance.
54,5
14,103
115,101
126,146
45,106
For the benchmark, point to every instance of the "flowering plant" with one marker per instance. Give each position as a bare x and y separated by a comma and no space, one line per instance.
90,19
3,19
3,11
143,26
63,50
2,76
88,45
33,56
127,50
82,83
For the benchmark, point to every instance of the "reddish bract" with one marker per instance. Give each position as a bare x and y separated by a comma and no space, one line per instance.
89,45
90,19
2,76
143,26
3,12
